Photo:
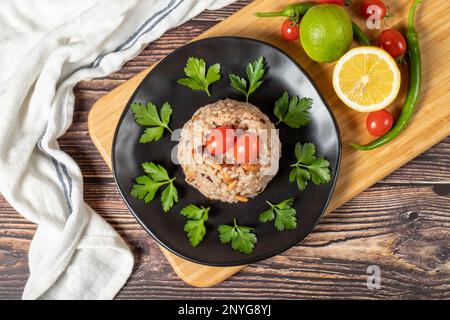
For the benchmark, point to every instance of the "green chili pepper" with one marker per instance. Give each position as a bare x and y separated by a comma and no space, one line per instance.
291,11
359,35
412,97
294,11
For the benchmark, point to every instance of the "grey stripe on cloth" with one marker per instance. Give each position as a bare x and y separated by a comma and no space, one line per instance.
61,181
61,174
69,179
152,26
173,4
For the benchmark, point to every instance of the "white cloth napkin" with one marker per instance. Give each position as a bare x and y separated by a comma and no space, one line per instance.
46,47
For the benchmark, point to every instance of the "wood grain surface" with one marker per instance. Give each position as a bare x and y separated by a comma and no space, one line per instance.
401,224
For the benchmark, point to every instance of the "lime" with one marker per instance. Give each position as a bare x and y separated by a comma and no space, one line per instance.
326,32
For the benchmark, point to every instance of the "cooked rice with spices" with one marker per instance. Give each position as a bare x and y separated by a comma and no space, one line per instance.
220,177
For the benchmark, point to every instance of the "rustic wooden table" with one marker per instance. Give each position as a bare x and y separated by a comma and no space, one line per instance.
401,224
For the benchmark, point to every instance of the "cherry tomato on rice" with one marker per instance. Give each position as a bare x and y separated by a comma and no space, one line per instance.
220,140
373,7
379,122
393,42
246,148
290,30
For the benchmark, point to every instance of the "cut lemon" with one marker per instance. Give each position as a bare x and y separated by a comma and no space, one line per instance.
366,79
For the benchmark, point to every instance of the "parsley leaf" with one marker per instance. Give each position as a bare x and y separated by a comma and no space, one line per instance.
169,196
147,115
146,186
293,111
226,233
284,214
193,212
301,176
238,83
305,153
308,167
242,238
197,77
155,171
195,225
255,72
195,230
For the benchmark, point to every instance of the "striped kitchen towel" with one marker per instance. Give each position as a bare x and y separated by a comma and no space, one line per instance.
46,47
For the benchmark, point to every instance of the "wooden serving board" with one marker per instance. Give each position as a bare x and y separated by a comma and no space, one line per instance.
359,170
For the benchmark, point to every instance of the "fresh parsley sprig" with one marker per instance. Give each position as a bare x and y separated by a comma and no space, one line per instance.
195,225
308,167
147,185
284,214
147,115
255,72
197,77
293,111
242,238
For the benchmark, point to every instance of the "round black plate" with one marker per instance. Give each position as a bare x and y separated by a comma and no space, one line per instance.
233,53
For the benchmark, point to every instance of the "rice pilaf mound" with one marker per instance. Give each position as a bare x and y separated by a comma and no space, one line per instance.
222,177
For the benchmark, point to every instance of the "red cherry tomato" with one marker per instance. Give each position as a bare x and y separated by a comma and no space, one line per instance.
393,42
290,30
373,7
220,140
379,122
246,148
338,2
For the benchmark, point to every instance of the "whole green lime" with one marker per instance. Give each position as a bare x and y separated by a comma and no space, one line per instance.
326,32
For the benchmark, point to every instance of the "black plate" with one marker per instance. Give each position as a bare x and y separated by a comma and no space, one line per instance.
233,53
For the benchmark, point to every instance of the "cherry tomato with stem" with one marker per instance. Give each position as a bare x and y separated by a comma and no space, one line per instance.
220,140
246,148
379,123
375,7
290,30
393,42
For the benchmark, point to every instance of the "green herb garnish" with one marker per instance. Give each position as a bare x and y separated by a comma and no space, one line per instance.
255,73
147,115
195,225
197,77
308,167
284,214
294,111
242,238
147,185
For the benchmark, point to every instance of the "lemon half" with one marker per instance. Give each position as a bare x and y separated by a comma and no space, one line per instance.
366,79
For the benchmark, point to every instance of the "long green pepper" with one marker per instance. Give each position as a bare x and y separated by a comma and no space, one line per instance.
295,11
412,97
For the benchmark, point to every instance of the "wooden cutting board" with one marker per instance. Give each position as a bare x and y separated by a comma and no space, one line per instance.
359,170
